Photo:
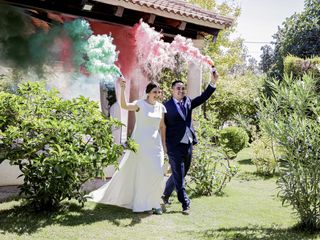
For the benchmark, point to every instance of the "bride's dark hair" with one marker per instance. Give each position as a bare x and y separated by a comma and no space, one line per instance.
151,86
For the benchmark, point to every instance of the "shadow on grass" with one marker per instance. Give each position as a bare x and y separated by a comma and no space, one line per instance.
245,162
251,176
21,220
193,195
10,198
256,233
173,212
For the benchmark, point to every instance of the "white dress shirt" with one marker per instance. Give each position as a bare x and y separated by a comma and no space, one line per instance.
188,137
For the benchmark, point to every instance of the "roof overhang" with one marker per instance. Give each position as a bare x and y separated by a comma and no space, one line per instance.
171,17
152,7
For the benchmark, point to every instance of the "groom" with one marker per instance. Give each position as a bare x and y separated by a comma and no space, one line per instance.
180,137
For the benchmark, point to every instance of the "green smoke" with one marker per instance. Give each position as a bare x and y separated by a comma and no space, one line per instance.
102,55
25,47
15,27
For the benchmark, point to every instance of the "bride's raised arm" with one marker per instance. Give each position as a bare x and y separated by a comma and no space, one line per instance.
123,102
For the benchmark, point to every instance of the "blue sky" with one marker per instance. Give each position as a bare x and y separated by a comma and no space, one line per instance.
260,19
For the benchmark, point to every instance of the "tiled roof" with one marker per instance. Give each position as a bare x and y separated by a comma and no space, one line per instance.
184,9
176,7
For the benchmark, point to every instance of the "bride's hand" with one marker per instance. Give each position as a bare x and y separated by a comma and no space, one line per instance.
165,149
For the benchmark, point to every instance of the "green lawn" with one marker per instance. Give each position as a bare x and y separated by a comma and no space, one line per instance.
249,209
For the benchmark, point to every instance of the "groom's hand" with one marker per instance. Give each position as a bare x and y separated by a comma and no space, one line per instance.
214,76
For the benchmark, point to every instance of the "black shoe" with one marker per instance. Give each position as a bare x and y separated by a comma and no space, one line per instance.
157,211
186,211
166,200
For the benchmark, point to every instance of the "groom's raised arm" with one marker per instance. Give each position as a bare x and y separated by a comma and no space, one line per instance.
206,94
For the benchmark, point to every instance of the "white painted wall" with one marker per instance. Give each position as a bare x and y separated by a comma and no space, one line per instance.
9,174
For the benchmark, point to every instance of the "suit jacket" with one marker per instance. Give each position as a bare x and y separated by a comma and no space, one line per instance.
176,122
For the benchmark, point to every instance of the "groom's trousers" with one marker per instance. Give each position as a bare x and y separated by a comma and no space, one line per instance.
179,159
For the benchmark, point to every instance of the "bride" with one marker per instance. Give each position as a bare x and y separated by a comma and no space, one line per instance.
139,182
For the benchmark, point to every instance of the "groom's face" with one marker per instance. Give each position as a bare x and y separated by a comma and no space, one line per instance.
178,91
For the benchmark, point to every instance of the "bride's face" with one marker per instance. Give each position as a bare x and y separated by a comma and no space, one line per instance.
154,94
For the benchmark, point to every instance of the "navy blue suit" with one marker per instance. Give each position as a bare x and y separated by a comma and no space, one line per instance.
180,154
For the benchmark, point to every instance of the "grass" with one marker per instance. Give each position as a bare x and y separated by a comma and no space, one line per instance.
249,209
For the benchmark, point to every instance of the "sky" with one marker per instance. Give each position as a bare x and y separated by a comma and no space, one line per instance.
259,20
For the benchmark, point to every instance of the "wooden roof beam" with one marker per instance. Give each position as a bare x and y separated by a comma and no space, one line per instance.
182,26
151,18
119,11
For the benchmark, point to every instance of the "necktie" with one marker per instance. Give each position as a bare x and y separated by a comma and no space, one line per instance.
183,109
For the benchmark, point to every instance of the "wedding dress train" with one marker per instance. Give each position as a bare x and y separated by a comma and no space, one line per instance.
139,182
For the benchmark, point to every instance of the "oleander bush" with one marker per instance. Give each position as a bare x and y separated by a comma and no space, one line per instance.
291,117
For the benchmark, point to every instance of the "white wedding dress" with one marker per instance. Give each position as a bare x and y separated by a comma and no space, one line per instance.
139,182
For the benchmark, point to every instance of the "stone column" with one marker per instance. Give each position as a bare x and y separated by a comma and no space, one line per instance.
194,80
195,73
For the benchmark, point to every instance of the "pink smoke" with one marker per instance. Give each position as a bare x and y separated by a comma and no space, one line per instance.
153,54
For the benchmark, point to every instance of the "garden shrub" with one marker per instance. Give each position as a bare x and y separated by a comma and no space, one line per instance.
264,156
298,67
10,80
236,96
57,144
291,118
207,126
210,169
233,140
249,124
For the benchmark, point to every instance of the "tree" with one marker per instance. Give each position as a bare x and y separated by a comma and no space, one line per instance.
238,83
298,36
225,52
236,99
266,58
